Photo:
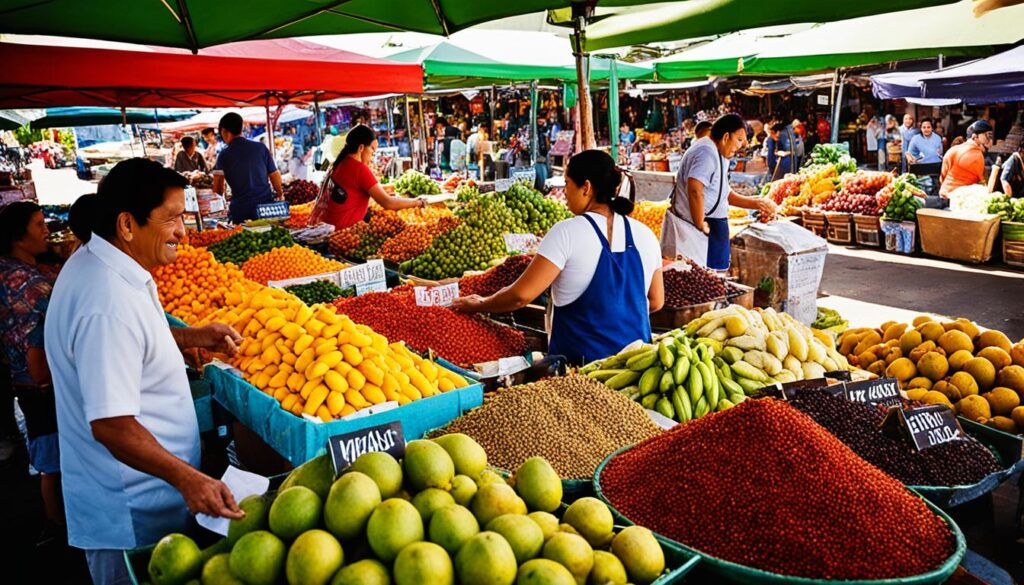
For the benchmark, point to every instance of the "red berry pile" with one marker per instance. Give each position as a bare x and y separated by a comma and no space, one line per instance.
300,191
495,279
764,486
692,287
457,337
849,202
866,182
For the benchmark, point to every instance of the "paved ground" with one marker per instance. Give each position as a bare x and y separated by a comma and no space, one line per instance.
59,186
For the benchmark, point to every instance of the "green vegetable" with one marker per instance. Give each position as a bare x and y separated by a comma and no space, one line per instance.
246,244
321,291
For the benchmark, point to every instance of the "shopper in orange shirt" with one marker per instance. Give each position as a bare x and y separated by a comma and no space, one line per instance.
964,164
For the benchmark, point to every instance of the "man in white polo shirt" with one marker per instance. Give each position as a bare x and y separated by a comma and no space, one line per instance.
127,427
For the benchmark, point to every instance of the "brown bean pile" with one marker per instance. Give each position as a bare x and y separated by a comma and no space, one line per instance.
572,421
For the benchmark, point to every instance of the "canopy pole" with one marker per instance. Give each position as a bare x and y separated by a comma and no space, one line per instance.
583,100
836,107
408,130
389,104
270,129
494,98
533,122
422,137
316,121
613,107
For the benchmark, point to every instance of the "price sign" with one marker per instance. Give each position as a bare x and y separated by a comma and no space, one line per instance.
822,100
275,210
347,447
842,375
364,277
883,391
521,243
527,174
502,185
191,200
441,296
931,425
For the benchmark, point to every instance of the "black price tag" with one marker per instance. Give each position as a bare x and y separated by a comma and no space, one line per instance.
841,375
883,391
347,447
835,389
931,425
791,389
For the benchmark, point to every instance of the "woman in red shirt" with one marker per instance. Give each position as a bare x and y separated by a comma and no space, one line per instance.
354,183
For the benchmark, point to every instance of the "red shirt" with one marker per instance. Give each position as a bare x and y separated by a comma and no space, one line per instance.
356,179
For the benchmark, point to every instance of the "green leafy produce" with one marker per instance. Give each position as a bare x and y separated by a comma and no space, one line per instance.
321,291
414,183
832,154
1009,209
905,199
246,244
828,318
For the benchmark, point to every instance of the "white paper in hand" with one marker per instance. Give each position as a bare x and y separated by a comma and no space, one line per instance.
242,485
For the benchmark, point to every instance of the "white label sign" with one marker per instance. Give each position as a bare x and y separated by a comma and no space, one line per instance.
191,200
521,243
364,274
502,185
822,100
804,276
440,296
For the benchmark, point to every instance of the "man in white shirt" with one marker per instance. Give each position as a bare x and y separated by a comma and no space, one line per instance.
126,423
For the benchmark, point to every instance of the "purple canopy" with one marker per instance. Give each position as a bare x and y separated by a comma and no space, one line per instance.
999,78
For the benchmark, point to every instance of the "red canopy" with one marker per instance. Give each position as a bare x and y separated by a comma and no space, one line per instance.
285,70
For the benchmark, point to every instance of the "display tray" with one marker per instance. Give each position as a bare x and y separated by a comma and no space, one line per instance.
1013,253
668,318
723,570
1008,450
298,440
959,236
839,228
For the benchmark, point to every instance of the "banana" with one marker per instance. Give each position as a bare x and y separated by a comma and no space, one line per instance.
681,402
797,344
665,408
695,384
707,378
641,362
622,380
649,380
700,408
745,370
604,375
681,369
667,382
666,354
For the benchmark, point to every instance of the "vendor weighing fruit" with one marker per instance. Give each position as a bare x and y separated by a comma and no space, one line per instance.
697,225
352,183
604,269
126,424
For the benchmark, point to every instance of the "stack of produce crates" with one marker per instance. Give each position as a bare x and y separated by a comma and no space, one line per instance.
1013,243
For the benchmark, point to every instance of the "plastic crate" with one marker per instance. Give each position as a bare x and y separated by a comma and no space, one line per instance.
840,228
867,230
298,440
720,570
900,236
1013,253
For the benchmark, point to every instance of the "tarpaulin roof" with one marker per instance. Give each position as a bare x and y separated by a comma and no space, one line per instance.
543,57
725,56
93,116
999,78
697,18
253,115
235,74
950,30
194,24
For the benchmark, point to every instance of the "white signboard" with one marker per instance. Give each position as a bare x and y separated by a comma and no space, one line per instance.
440,296
521,243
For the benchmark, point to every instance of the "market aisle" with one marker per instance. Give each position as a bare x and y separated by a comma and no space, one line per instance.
58,186
877,286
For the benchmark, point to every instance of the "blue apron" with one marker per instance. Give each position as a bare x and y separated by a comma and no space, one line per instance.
719,248
611,313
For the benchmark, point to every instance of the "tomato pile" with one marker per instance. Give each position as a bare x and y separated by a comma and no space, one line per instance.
285,263
496,278
299,192
210,237
457,337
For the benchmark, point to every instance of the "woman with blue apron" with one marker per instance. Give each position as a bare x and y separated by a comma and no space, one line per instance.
603,268
697,224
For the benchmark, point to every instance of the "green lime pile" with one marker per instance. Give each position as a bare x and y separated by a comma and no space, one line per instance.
438,516
904,204
534,213
466,192
246,244
473,245
414,183
321,291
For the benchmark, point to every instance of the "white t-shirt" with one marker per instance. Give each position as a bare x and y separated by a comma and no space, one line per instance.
574,247
111,354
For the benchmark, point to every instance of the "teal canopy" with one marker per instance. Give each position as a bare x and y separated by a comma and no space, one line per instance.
69,117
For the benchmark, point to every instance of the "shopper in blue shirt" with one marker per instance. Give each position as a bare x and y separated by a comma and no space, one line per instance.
926,147
249,170
907,133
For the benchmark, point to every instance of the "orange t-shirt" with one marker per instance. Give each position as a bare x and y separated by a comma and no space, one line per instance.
964,164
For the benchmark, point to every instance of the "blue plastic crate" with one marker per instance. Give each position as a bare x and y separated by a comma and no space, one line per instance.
298,440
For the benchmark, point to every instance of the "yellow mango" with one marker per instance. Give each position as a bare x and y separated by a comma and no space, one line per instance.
356,399
252,328
291,331
335,402
302,314
429,370
343,368
260,380
305,359
373,393
372,373
361,340
289,358
263,315
280,393
289,401
327,347
296,381
346,410
335,381
351,354
324,414
326,316
403,400
316,398
251,348
444,384
296,408
269,340
271,355
314,327
275,323
254,366
331,330
280,379
356,379
303,342
317,370
309,386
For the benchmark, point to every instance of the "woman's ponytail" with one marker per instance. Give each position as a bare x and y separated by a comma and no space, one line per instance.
605,178
361,135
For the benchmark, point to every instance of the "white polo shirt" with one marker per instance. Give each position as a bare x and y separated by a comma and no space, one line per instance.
111,354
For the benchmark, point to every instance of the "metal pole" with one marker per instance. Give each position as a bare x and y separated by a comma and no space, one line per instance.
408,130
583,101
422,137
317,129
389,104
836,108
613,107
270,129
533,122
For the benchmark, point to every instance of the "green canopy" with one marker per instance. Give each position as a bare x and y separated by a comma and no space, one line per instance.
726,56
448,65
194,24
698,18
89,116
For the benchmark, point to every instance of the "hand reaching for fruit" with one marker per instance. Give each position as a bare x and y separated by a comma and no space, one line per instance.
767,209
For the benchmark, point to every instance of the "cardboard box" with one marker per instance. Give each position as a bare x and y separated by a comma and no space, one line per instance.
957,235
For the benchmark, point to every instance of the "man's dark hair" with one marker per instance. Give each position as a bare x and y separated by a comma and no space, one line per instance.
207,131
14,220
703,126
136,186
778,127
929,120
232,122
187,142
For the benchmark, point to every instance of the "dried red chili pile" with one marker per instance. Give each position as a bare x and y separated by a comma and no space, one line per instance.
764,486
459,338
495,279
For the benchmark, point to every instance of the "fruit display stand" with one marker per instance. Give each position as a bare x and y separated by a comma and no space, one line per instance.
668,319
1009,451
956,235
298,439
716,570
839,228
867,230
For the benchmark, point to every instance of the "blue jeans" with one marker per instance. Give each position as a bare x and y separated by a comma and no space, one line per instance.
107,567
